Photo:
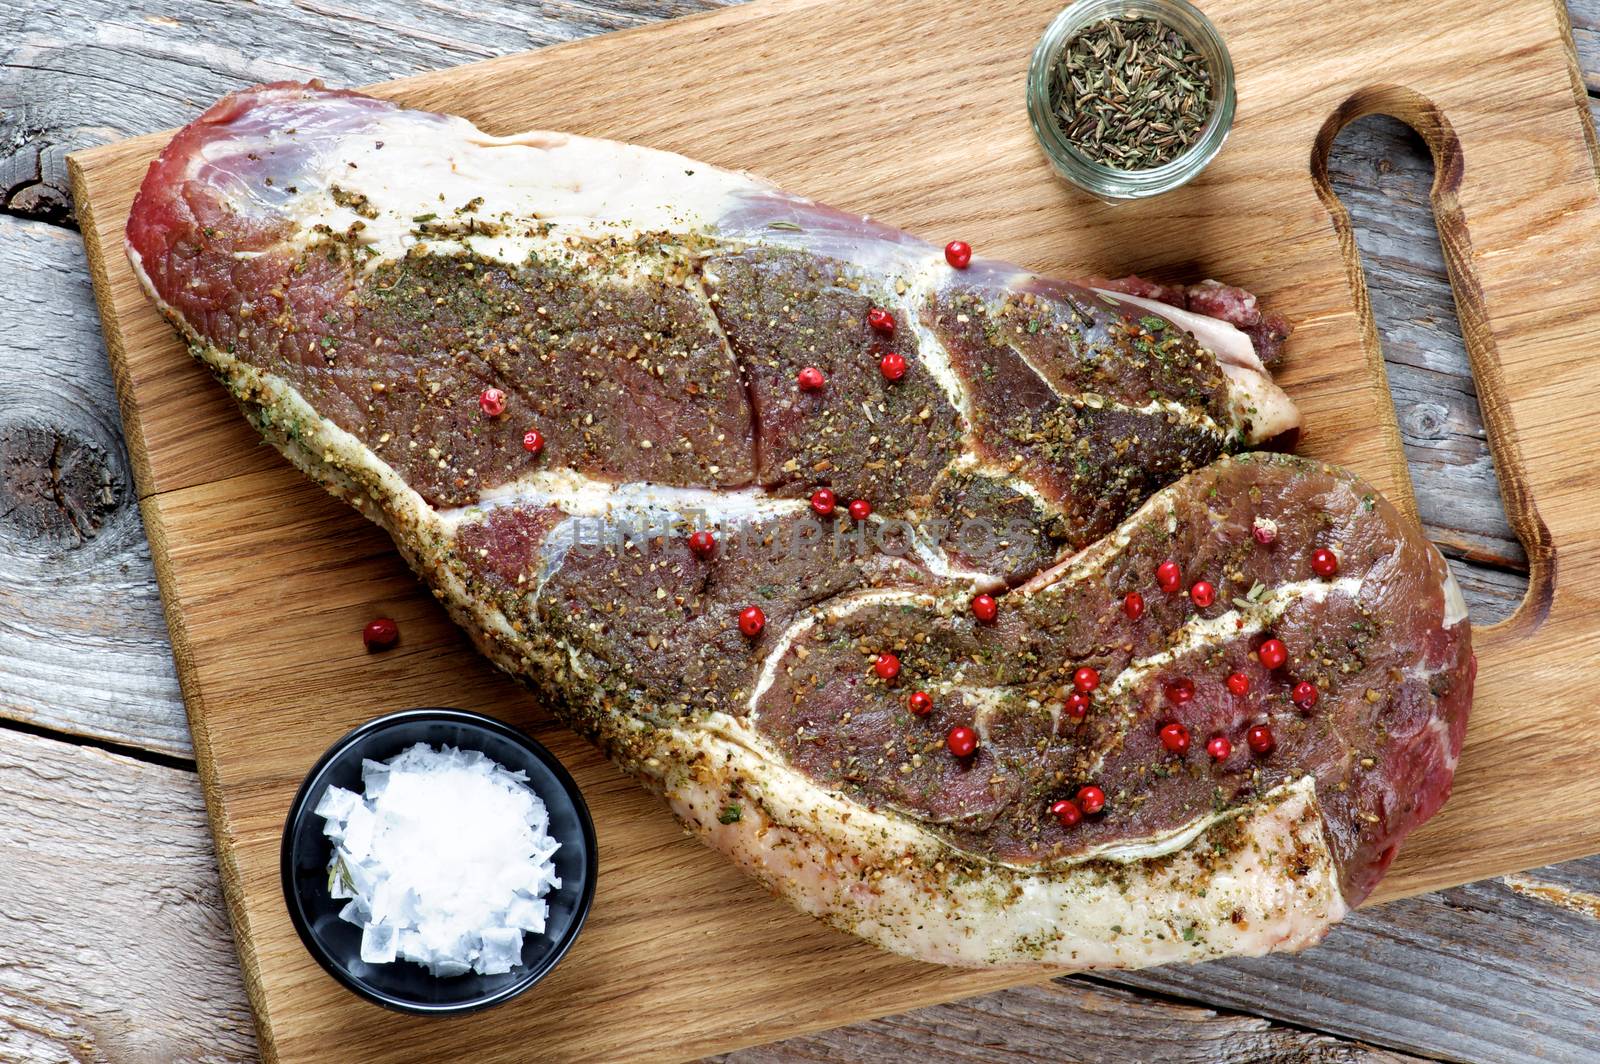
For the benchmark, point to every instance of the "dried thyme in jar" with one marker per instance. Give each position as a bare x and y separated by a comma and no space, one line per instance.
1130,92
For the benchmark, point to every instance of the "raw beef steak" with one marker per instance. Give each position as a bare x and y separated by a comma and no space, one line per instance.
988,652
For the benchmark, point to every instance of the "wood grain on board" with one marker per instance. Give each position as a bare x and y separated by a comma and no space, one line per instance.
265,579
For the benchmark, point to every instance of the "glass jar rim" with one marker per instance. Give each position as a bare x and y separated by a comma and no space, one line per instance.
1097,178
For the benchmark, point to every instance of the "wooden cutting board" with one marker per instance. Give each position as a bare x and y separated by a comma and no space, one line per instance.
913,111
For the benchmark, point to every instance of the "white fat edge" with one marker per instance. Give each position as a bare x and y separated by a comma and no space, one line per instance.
574,660
1089,562
567,489
1252,393
969,462
769,667
1438,725
581,185
1187,415
1219,337
923,277
838,608
1441,732
149,286
1201,632
579,495
877,253
938,563
1455,604
1255,398
664,508
1093,921
803,799
716,507
1094,401
1163,843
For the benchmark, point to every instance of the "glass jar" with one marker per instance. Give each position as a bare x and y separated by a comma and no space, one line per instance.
1110,184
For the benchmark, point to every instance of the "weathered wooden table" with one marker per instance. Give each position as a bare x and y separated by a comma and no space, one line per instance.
113,941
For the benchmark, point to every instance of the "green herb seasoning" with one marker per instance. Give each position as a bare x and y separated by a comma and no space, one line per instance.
1130,92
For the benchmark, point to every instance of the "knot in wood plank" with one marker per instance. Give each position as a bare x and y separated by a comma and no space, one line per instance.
57,489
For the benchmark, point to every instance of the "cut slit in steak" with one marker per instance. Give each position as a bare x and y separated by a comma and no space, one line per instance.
356,274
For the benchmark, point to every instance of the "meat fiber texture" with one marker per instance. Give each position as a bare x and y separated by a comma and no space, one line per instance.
358,275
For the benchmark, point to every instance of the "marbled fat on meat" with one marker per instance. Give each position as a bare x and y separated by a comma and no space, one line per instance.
357,274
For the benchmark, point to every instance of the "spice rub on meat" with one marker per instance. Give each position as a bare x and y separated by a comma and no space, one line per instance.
930,494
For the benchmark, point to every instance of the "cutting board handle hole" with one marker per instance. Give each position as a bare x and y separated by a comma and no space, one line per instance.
1441,444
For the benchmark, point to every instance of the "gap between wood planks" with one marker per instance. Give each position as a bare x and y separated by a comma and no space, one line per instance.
96,742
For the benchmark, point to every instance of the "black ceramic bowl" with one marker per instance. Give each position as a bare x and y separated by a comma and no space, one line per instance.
402,985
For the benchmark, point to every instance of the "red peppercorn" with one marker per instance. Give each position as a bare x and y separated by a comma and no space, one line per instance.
822,502
380,634
492,401
1273,654
1304,694
985,608
751,621
1175,737
887,667
1076,705
1133,605
962,741
892,366
1086,679
811,379
533,442
1219,748
1168,576
920,703
1180,691
1202,594
958,253
1067,812
1239,684
1324,562
1260,740
881,321
703,543
1265,531
1091,799
860,509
